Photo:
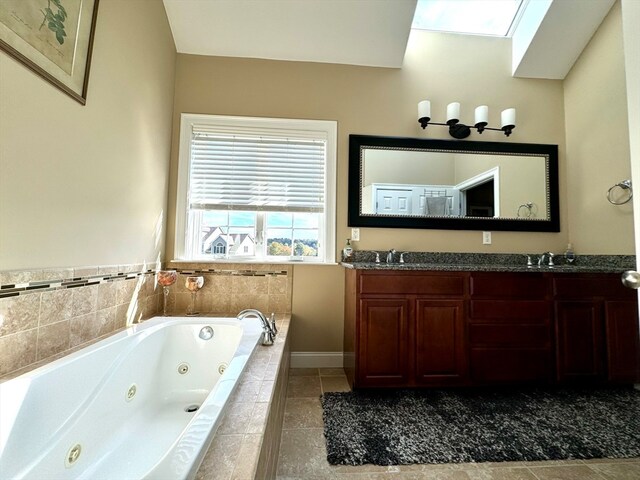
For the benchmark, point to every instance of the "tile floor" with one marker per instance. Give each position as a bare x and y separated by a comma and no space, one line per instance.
303,453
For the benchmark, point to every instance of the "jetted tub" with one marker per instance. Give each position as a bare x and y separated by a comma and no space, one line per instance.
141,404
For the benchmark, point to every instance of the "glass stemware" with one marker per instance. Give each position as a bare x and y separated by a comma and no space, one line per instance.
166,278
193,284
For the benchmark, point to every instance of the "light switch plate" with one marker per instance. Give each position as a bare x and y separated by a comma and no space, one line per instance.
486,238
355,234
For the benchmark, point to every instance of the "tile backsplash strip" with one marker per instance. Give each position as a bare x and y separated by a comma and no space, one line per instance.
45,314
231,288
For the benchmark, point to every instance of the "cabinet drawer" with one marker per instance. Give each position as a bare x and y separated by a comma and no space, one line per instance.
511,310
510,335
510,285
588,286
405,283
495,365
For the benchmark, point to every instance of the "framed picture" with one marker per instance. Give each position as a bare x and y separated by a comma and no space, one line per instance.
53,38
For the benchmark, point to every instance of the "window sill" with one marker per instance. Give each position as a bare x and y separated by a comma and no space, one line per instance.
252,262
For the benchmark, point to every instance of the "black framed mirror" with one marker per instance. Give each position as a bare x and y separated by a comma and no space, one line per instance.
397,182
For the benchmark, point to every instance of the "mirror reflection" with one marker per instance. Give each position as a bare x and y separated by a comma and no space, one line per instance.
401,182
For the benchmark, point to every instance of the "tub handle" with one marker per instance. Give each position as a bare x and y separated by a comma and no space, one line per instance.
272,321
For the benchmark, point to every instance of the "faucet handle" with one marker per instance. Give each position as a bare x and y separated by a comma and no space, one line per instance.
272,321
402,256
529,262
377,257
551,255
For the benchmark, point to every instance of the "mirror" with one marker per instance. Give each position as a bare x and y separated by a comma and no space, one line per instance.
444,184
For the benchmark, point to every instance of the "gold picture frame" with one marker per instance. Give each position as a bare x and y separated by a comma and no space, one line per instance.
54,38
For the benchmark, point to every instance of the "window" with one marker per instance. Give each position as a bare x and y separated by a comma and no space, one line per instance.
256,189
474,17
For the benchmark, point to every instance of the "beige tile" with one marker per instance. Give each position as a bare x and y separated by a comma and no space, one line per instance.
440,475
82,272
20,276
19,313
220,459
53,339
279,303
220,303
107,295
506,473
83,328
236,418
266,391
107,269
249,285
85,300
303,387
56,306
249,300
249,452
17,350
303,455
612,460
617,471
330,372
246,392
335,384
297,372
105,321
278,285
124,290
567,472
57,274
303,412
258,418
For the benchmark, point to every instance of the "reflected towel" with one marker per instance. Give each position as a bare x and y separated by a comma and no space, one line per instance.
436,206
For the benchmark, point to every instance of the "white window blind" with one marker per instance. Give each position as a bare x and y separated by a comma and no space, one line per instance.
257,169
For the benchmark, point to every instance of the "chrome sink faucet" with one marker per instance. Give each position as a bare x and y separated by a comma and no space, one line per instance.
390,256
550,256
402,257
269,329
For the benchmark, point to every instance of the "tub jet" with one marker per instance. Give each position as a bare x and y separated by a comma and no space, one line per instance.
191,408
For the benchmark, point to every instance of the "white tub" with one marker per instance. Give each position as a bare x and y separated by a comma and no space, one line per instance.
122,401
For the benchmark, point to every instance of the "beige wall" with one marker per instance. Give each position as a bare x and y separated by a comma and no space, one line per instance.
376,101
597,138
86,185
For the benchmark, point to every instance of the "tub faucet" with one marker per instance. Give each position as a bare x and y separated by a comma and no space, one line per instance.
269,329
390,255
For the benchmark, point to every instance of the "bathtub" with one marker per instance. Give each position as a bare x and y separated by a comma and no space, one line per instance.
141,404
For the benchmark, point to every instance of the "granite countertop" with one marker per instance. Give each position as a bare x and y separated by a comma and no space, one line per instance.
490,262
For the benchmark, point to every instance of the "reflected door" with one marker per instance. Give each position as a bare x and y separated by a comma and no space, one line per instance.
393,202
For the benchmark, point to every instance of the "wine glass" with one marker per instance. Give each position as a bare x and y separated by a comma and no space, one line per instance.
166,278
193,284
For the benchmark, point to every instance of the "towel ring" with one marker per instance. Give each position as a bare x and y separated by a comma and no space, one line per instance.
527,212
624,185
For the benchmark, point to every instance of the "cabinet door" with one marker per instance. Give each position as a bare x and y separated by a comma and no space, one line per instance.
580,342
621,321
383,343
440,342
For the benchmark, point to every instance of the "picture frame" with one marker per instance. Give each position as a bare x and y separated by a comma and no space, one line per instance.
53,38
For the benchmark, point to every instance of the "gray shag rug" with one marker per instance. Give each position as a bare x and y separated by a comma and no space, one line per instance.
455,426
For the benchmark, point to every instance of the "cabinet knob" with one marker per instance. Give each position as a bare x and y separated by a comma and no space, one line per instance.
631,279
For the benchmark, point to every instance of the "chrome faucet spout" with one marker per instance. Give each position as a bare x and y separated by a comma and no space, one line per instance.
390,256
269,329
550,256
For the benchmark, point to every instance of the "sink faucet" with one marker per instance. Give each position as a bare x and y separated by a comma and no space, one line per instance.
550,256
269,329
402,257
390,256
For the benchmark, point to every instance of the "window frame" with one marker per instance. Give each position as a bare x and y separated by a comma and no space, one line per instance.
328,219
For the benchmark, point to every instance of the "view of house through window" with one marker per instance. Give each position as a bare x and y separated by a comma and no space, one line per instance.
256,189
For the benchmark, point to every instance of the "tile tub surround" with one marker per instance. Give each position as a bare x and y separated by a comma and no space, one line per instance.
232,287
246,444
495,262
303,454
45,314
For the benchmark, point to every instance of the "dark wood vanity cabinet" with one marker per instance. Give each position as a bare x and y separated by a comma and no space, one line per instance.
405,328
596,329
417,328
510,328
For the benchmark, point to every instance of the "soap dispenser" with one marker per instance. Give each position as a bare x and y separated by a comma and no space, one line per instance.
569,255
347,252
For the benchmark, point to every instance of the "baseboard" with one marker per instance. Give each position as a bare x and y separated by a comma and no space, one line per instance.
316,359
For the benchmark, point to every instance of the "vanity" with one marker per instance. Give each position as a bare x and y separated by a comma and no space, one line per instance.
440,325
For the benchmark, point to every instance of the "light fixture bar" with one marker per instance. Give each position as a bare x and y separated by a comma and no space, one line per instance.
460,130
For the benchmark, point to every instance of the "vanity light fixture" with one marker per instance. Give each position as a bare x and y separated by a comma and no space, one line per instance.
460,130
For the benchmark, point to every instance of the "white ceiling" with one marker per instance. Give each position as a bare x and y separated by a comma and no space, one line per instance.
357,32
367,32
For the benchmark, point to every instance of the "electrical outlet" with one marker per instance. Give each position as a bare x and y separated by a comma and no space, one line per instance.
486,238
355,234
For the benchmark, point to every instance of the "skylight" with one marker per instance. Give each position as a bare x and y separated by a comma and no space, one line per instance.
474,17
